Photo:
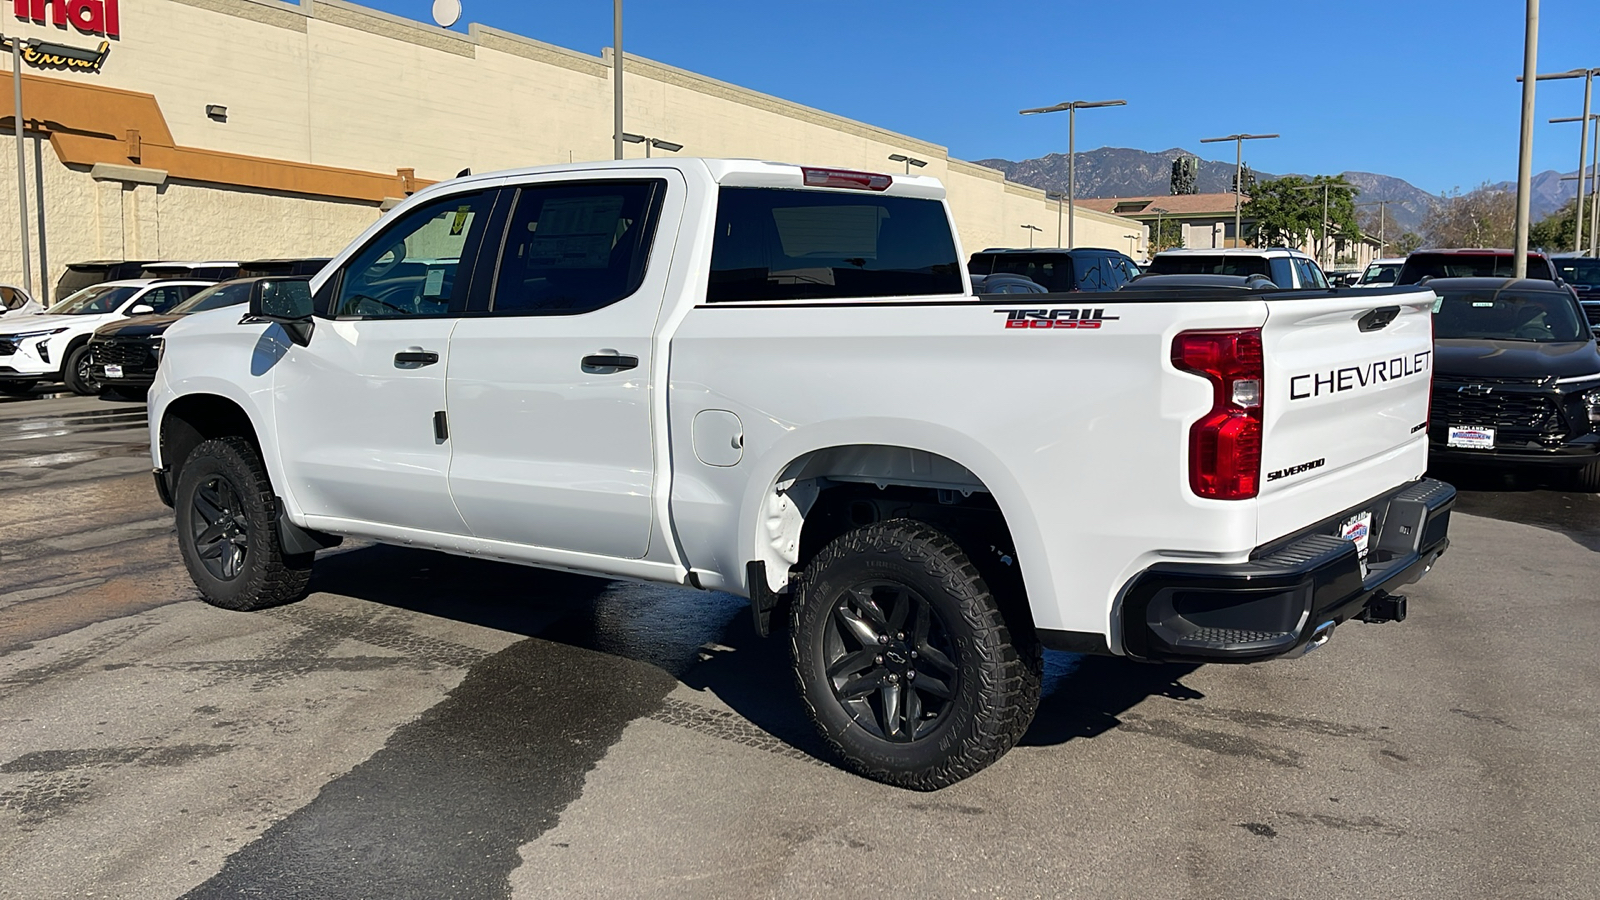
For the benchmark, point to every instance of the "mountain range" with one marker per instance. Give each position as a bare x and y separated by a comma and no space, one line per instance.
1124,172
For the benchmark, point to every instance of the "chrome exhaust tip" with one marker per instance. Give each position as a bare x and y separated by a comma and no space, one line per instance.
1322,635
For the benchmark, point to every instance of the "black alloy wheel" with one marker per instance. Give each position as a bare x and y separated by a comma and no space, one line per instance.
78,372
228,533
220,529
906,660
889,659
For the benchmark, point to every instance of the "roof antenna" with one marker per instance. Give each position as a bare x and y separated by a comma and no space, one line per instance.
463,173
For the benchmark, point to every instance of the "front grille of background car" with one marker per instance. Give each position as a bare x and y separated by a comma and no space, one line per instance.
1514,414
133,354
1592,310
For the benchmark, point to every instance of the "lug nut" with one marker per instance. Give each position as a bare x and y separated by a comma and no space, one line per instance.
913,654
911,676
878,660
883,639
893,678
900,637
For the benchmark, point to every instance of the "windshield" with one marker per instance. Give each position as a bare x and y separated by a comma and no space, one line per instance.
214,298
1220,264
1542,317
1584,273
1377,274
94,301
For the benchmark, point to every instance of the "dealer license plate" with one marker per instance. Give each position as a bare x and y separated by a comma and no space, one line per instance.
1470,437
113,371
1359,530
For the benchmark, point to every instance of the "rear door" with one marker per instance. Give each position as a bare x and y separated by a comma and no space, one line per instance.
549,390
1348,379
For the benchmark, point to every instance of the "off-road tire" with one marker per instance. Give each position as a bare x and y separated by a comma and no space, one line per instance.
74,374
265,576
1000,664
1587,479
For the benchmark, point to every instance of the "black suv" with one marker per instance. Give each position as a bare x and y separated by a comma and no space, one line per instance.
1056,270
1583,273
1472,263
1516,377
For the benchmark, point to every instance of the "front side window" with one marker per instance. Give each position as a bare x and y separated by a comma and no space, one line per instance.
411,269
575,248
782,244
1541,317
162,299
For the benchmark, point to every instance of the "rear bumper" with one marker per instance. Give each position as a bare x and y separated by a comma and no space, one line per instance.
1291,591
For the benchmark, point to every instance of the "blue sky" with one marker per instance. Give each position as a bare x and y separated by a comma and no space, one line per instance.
1420,89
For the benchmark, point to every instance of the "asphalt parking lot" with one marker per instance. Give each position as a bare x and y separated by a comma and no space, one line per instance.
427,726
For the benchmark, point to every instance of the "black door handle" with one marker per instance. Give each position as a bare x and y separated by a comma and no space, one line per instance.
415,359
610,361
1378,319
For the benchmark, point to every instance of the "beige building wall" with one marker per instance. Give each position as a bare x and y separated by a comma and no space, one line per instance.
331,83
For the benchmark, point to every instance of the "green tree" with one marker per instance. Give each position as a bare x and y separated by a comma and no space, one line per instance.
1406,244
1554,233
1289,211
1170,238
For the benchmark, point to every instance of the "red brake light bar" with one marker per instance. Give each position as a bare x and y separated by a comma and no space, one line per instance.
844,178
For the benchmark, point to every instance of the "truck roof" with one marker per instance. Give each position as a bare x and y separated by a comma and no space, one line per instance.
729,172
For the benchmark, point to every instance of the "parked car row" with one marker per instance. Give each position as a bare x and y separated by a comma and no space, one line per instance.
107,334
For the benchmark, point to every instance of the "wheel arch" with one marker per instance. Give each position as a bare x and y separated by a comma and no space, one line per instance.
190,420
806,495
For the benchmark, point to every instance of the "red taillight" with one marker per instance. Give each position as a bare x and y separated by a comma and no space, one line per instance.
1225,445
844,178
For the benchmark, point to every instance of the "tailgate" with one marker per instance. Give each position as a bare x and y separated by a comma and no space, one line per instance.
1348,380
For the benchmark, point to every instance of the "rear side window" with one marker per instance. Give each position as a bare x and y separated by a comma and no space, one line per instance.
1053,270
1310,274
776,244
575,248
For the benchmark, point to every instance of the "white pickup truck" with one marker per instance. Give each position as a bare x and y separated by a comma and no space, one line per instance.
774,380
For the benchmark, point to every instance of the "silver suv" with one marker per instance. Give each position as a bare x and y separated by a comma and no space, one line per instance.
1289,269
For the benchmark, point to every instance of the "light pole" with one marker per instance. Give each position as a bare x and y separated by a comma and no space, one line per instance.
1156,245
1031,229
22,160
1578,216
1071,108
1238,176
1059,197
649,142
908,160
616,73
1383,214
1583,132
1530,69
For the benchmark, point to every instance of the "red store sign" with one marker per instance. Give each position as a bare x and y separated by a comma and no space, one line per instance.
88,16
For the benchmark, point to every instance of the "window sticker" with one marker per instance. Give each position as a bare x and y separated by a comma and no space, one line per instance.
434,286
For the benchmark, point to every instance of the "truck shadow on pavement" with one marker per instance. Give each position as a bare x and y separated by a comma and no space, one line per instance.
1526,496
705,639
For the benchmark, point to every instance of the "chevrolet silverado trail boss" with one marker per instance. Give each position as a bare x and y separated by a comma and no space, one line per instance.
775,380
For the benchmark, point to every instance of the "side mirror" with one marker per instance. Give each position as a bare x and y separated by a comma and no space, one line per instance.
141,309
286,301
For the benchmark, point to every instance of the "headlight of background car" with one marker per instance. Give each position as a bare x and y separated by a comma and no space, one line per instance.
1592,401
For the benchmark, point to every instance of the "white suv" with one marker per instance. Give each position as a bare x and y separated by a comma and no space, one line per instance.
1288,269
54,346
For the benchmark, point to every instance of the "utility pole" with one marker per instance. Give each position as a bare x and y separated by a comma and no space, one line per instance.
22,163
1071,108
616,75
1583,140
1581,215
1530,71
1383,221
1238,177
1156,245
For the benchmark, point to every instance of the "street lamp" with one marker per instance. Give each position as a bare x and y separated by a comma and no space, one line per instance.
1155,245
908,160
1059,197
1583,137
1238,176
649,142
1071,108
1594,177
1031,229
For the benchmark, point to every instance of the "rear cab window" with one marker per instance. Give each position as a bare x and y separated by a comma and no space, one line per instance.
791,244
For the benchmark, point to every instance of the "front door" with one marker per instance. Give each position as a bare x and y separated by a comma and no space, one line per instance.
550,391
360,412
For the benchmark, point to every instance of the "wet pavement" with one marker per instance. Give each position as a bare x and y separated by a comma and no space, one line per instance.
429,726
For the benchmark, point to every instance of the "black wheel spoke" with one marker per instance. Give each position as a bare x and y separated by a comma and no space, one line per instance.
889,697
935,686
936,658
209,507
221,529
860,686
852,663
913,707
870,607
858,628
212,550
903,601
